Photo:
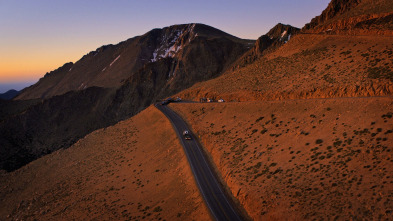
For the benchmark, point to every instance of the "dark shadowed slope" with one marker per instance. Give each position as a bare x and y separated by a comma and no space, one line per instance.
9,94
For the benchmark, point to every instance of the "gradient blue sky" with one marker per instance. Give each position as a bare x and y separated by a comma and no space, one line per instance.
37,36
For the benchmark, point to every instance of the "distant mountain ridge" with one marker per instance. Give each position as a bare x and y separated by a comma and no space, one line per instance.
10,94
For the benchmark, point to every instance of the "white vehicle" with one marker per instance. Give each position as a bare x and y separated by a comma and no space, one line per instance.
221,100
186,135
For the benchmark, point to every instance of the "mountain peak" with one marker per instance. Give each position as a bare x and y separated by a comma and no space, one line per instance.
335,8
172,39
109,66
282,31
277,36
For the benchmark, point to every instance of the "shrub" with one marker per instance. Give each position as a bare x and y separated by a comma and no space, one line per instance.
157,209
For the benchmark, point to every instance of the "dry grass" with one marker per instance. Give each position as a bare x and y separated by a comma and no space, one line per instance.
309,66
302,159
116,173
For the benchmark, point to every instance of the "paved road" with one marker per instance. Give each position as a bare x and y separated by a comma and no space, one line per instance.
219,204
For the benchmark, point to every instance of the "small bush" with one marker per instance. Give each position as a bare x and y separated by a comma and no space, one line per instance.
259,119
157,209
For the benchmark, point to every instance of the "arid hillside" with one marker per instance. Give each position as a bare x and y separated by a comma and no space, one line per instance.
309,66
305,132
353,59
134,170
302,159
306,129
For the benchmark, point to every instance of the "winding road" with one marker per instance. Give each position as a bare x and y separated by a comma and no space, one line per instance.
217,201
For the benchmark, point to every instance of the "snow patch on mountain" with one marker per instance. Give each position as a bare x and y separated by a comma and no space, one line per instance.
173,42
283,34
114,60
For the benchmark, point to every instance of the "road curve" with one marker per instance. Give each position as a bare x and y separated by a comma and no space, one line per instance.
219,204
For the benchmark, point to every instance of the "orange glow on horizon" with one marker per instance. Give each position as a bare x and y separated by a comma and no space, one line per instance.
26,71
28,66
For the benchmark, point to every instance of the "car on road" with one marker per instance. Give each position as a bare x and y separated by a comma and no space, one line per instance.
186,135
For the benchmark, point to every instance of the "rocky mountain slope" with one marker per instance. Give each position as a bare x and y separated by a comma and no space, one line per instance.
275,38
309,66
354,17
192,49
111,84
315,64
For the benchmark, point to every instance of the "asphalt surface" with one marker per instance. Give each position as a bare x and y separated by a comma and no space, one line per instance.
219,204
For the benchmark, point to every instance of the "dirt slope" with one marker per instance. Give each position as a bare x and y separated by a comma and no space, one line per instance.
309,66
302,159
133,170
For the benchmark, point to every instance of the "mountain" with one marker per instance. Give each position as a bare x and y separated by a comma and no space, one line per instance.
354,17
9,94
310,139
279,35
349,61
111,84
185,47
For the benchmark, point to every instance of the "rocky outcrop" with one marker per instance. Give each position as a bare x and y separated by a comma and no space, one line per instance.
354,17
276,37
335,8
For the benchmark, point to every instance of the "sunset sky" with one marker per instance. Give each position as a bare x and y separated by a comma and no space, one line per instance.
41,35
